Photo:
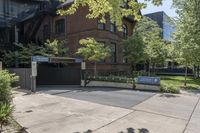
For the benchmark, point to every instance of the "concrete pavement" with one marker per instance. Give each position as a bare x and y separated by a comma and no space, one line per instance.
123,98
43,113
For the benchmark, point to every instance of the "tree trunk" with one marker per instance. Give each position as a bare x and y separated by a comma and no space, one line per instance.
198,72
155,69
145,67
95,69
195,71
134,66
150,67
186,70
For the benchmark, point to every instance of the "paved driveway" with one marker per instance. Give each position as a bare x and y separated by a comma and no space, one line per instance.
161,113
107,96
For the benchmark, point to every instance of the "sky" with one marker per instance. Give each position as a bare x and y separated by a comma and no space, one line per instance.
166,7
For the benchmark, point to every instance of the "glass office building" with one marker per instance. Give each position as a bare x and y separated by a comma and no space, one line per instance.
165,23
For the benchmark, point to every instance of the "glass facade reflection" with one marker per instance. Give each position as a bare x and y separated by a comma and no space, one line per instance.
165,23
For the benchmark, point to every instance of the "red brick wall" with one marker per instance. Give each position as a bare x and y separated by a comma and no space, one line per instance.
78,27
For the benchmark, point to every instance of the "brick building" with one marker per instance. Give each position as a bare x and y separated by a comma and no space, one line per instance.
74,27
45,24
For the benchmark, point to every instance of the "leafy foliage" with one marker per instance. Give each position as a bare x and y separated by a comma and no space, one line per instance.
187,41
146,45
24,52
134,49
6,108
54,48
6,80
91,50
5,112
169,88
117,9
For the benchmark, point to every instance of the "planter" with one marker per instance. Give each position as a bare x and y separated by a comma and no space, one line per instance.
109,84
122,85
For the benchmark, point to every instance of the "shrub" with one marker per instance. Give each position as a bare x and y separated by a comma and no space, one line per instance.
6,108
113,79
5,112
168,88
6,80
139,73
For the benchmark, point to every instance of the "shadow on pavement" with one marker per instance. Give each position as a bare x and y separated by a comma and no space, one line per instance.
129,130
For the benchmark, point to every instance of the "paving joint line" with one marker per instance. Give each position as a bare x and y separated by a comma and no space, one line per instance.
161,114
198,101
144,100
114,121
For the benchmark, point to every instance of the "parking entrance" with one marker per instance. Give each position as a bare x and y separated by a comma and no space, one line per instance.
56,71
59,74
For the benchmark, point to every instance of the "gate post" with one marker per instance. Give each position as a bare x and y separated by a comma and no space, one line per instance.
33,76
83,75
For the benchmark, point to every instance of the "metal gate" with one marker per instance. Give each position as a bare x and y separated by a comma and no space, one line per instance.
59,74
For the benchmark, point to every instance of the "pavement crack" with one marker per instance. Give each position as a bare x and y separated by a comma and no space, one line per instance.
114,121
161,114
198,101
144,100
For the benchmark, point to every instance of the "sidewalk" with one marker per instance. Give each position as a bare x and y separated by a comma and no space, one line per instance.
43,113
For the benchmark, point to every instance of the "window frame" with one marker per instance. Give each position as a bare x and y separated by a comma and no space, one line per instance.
125,30
100,25
60,26
113,25
113,57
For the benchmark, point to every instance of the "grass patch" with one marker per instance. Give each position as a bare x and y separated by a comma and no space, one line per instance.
178,81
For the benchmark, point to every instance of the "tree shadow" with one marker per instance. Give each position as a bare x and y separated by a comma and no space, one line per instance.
128,130
169,95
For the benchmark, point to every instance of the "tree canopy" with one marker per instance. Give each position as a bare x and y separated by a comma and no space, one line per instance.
117,9
92,50
187,39
146,44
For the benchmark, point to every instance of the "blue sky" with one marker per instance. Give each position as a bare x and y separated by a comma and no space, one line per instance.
166,7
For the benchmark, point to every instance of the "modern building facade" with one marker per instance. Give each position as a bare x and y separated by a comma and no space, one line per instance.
165,23
168,28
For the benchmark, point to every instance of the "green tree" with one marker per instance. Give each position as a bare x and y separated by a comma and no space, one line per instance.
92,50
147,42
187,39
134,49
24,53
55,48
117,9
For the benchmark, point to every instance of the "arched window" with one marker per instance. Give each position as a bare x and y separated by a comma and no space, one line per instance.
125,30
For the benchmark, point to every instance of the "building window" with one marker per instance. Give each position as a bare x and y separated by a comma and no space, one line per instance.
101,26
113,57
125,30
125,60
103,60
60,26
113,27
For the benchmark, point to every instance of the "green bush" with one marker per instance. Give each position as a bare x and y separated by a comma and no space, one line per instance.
113,79
6,108
168,88
139,73
6,80
5,112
